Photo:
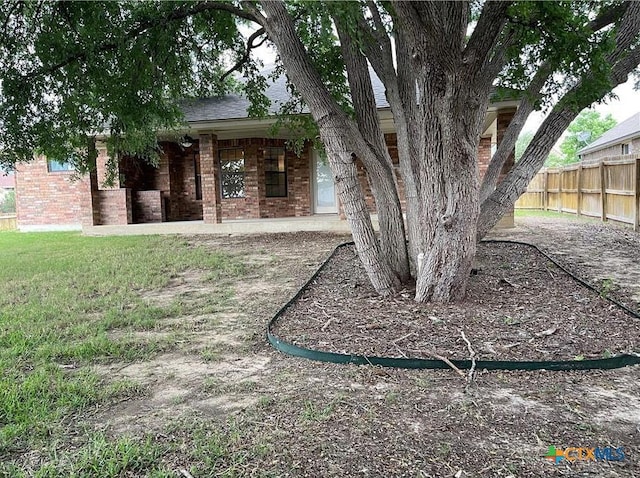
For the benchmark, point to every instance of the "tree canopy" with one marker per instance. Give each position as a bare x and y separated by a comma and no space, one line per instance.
584,130
71,70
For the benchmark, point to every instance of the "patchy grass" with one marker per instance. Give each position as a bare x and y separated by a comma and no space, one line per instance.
551,215
62,296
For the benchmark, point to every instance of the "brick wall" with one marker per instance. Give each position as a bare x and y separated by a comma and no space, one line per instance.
255,204
484,156
148,206
48,199
298,200
115,206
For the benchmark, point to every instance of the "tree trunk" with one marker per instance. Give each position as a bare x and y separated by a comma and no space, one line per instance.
342,162
337,132
447,216
374,155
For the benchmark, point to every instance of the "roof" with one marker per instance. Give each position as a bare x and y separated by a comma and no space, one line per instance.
233,106
236,107
627,129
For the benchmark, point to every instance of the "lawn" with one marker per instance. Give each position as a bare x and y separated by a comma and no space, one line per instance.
146,357
69,302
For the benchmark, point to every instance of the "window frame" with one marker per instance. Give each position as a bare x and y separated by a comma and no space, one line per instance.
267,155
64,166
625,147
224,174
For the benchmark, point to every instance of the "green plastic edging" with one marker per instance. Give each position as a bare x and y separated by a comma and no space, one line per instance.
417,363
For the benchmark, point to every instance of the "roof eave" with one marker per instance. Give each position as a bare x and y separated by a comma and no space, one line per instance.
613,142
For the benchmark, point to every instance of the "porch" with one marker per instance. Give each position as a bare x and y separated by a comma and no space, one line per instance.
317,223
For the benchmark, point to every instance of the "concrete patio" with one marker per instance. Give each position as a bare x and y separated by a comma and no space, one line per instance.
320,223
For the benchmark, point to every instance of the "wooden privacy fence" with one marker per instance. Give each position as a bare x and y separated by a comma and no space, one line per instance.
608,189
7,222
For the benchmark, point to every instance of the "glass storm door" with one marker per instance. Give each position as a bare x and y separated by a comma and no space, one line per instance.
324,197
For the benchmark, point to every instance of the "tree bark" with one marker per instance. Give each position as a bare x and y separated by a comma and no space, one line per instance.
375,157
337,132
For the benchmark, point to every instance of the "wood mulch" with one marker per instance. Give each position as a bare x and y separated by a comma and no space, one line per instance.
519,306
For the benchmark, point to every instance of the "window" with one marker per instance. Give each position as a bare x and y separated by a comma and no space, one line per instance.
275,172
625,148
232,172
55,166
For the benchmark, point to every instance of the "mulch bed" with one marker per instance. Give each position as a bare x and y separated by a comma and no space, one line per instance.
519,306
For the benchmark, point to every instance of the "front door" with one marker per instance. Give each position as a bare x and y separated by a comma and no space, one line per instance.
324,190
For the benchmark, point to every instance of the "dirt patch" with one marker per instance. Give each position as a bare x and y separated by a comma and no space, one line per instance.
293,417
184,285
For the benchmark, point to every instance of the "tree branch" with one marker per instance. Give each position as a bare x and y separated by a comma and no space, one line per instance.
485,35
185,11
247,53
532,94
576,99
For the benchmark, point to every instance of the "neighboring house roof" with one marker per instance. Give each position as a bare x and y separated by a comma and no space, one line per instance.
7,181
233,106
628,129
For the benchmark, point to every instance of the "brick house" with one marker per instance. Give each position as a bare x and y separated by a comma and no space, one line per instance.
621,140
231,168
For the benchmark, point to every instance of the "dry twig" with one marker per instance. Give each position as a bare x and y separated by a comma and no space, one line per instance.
435,355
472,356
403,337
185,473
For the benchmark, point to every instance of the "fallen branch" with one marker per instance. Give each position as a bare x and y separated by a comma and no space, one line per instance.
435,355
403,337
472,356
185,473
326,324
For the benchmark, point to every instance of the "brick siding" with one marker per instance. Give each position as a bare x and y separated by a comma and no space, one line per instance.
46,198
146,193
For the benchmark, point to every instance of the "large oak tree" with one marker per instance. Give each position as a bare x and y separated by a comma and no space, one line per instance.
69,70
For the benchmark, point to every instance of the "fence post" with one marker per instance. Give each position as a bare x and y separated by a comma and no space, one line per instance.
636,195
603,192
579,198
545,193
560,173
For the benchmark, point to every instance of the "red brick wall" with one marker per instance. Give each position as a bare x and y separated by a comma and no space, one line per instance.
115,206
211,208
48,199
298,200
484,155
174,177
255,204
147,206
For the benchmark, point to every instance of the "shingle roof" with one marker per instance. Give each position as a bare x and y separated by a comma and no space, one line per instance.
627,128
236,107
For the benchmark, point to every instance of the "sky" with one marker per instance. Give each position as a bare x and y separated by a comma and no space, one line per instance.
626,105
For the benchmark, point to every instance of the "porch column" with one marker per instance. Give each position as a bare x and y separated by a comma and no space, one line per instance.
484,155
211,194
502,123
114,201
251,178
90,199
